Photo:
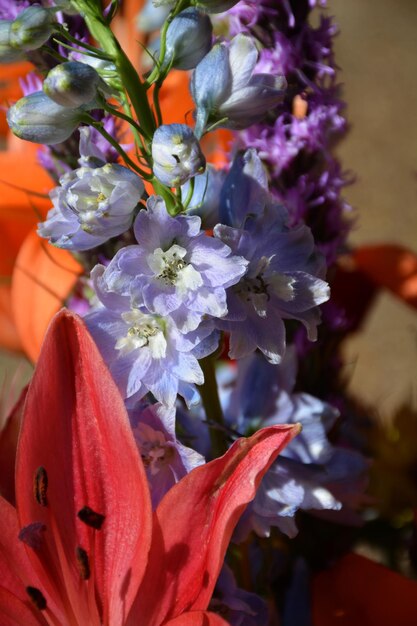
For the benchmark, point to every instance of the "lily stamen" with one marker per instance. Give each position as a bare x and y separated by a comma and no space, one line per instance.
40,486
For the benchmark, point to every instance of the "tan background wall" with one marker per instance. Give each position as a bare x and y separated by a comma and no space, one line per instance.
377,51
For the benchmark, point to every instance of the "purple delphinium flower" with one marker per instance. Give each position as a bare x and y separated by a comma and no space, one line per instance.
284,280
166,459
237,606
176,269
143,351
244,194
91,205
311,473
205,197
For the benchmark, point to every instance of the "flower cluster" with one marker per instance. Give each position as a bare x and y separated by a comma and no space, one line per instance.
189,270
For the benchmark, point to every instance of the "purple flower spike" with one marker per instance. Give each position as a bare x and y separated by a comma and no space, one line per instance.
176,269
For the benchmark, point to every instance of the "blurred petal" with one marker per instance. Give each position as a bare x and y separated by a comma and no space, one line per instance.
390,266
357,591
42,279
8,445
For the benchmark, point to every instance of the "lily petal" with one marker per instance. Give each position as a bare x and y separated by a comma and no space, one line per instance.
15,570
74,421
193,525
14,612
8,445
198,618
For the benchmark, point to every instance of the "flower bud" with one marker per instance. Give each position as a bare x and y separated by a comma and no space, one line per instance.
176,154
72,84
210,6
151,18
205,197
7,53
216,6
66,7
31,29
39,119
188,39
226,88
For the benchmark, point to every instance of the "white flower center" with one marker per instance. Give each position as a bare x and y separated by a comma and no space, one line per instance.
171,268
144,331
258,288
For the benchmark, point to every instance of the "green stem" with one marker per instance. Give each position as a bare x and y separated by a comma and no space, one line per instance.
135,89
119,149
210,397
156,75
166,194
190,193
123,116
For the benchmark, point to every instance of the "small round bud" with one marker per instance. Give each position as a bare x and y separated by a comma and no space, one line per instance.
210,6
188,39
176,154
31,29
39,119
72,84
7,53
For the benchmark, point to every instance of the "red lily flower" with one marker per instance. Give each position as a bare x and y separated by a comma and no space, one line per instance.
90,551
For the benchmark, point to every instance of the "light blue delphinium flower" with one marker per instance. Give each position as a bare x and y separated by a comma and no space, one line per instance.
238,606
205,197
146,352
311,473
225,88
176,269
39,119
188,39
93,203
166,459
73,84
176,154
244,194
284,280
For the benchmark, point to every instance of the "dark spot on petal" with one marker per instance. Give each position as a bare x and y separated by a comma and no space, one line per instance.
32,535
40,486
37,598
91,518
83,562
